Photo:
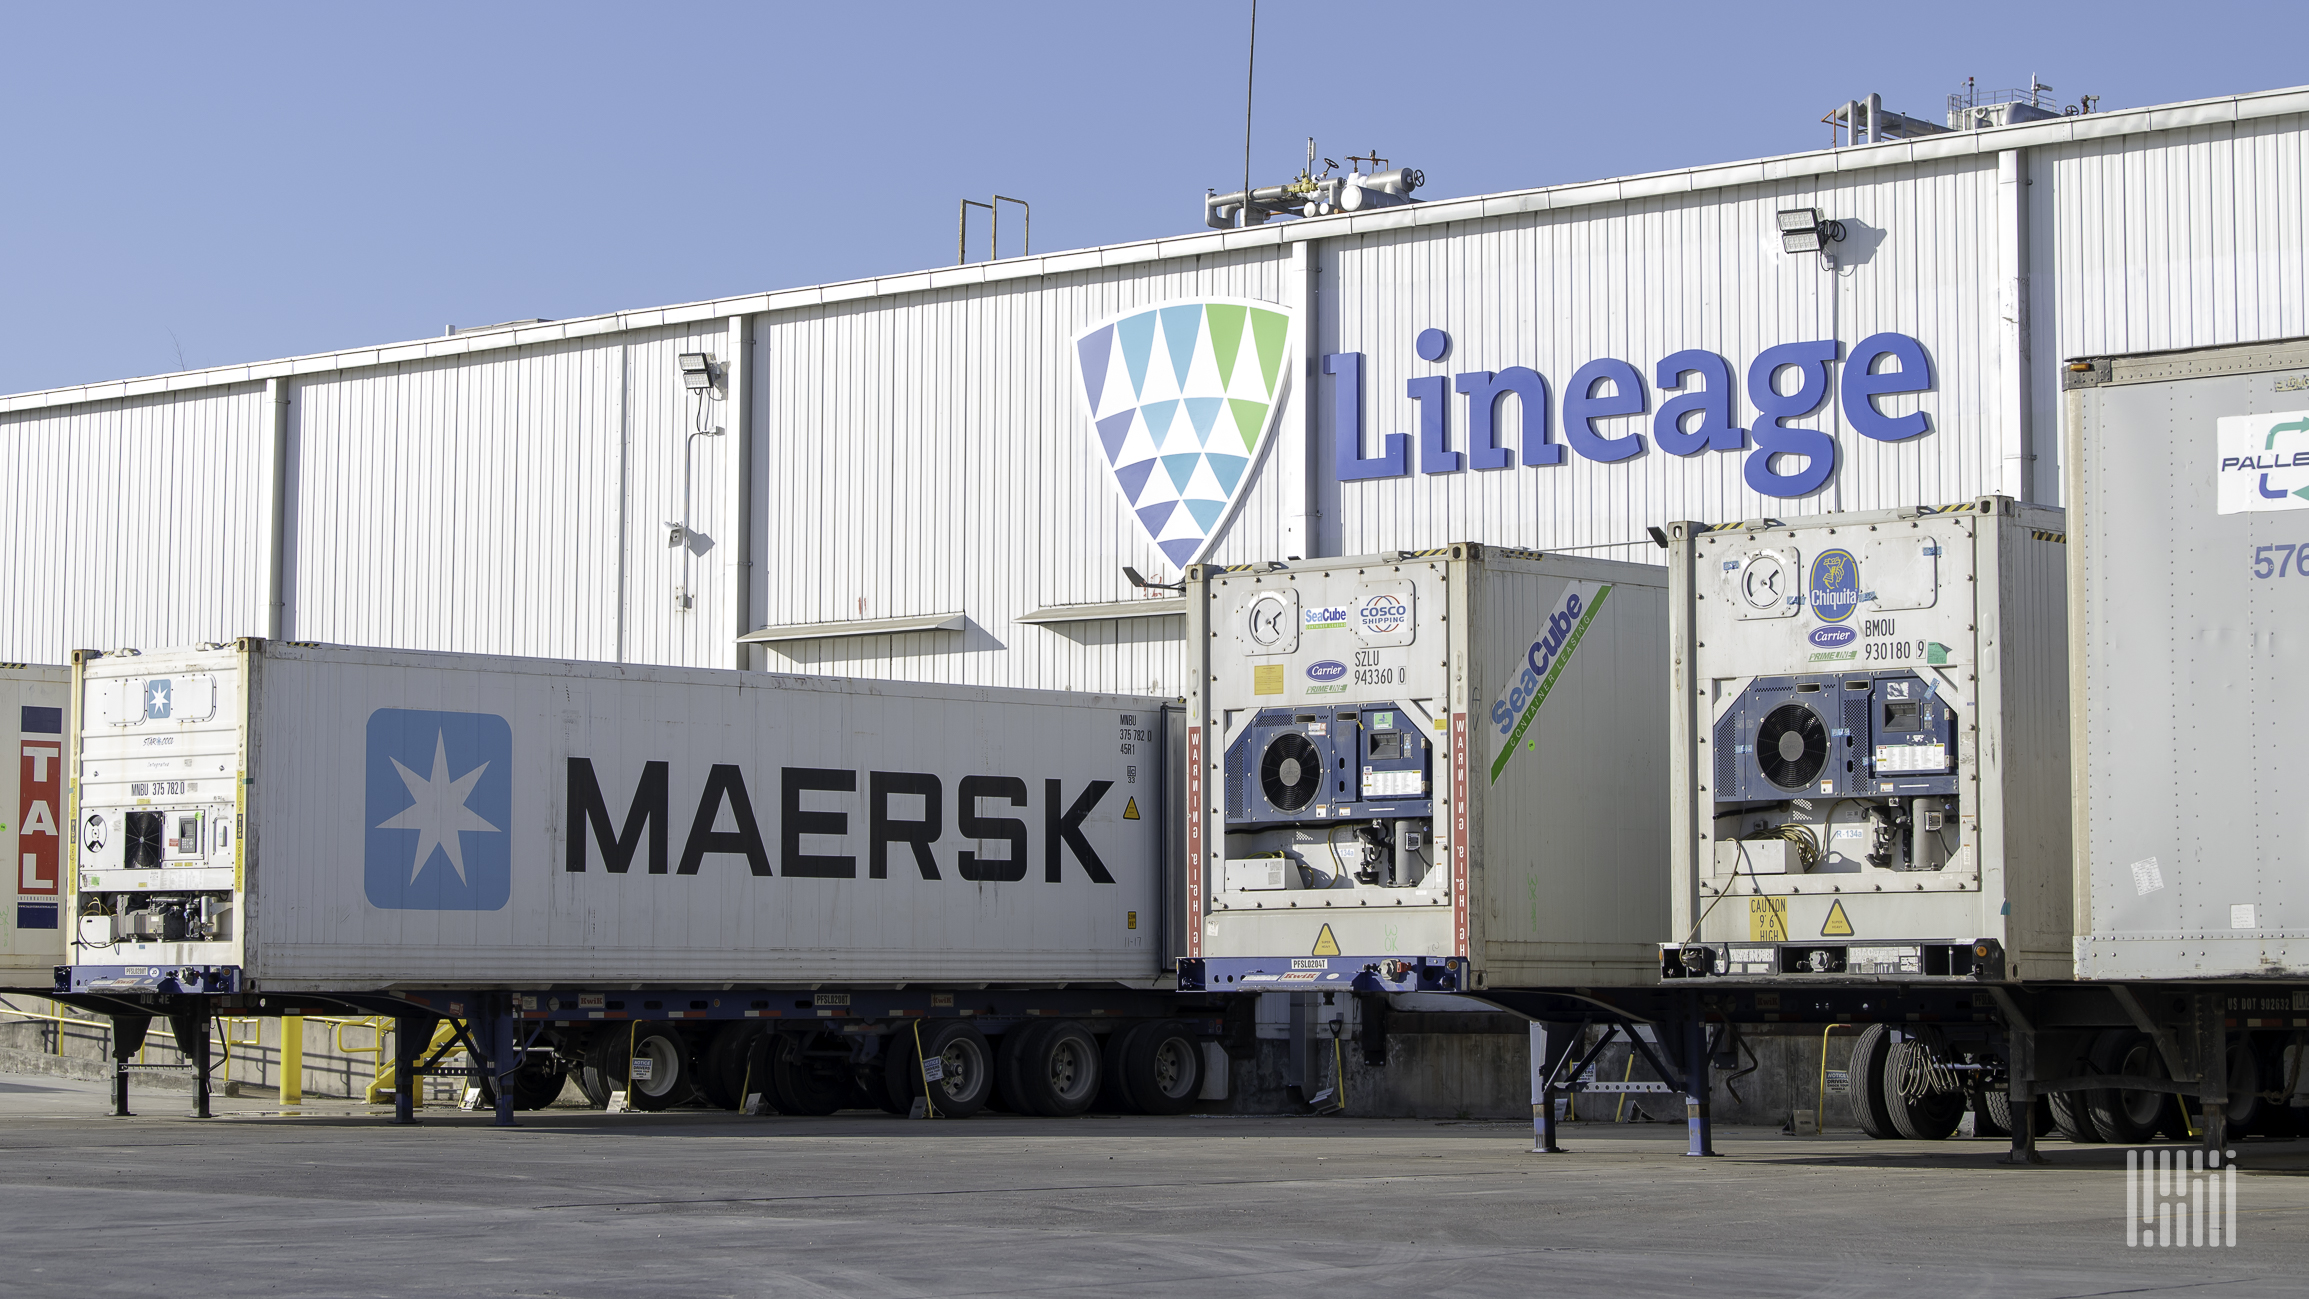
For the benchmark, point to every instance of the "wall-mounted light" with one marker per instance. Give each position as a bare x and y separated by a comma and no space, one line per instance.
1802,230
697,370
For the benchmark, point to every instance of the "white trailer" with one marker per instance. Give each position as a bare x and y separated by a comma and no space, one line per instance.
32,820
602,852
1429,772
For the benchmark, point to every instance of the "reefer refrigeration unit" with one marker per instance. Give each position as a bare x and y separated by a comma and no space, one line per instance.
271,816
33,817
1871,745
2188,483
1438,770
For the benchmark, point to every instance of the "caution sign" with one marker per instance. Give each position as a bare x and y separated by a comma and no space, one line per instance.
1768,920
1325,944
1838,925
1130,810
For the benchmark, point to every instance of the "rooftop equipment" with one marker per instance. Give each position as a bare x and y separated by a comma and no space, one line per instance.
1311,194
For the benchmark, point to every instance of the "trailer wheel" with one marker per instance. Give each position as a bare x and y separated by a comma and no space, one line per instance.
672,1073
723,1076
1113,1096
2249,1114
1055,1068
1992,1113
808,1085
2128,1117
604,1060
1865,1070
2072,1117
1163,1068
538,1082
1917,1113
964,1056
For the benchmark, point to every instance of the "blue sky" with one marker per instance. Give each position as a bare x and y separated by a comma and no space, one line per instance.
197,185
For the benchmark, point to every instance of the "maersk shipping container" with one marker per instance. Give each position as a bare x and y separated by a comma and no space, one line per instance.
1440,771
1870,746
33,814
2189,611
269,816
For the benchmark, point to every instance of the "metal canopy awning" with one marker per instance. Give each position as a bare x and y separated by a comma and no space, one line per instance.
1171,608
858,627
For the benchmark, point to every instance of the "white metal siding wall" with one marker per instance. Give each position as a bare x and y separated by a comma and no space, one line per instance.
929,455
1638,281
2163,240
134,522
484,504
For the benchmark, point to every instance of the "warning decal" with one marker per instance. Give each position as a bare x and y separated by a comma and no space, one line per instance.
1768,920
1325,944
1838,925
1130,810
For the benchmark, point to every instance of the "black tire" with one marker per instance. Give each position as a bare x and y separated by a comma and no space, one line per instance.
809,1084
1931,1117
874,1086
1992,1113
2249,1114
1163,1068
672,1073
1865,1075
965,1058
1009,1064
604,1059
2128,1117
1057,1070
539,1081
1113,1097
722,1076
2073,1118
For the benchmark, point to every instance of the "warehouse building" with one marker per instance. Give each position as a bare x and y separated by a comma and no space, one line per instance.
907,476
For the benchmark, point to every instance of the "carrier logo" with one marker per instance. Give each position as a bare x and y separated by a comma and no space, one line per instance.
1326,670
1384,614
1832,637
1835,589
1183,399
2264,463
440,802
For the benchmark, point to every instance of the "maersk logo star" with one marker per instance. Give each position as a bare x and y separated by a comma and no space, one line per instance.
438,811
438,841
156,701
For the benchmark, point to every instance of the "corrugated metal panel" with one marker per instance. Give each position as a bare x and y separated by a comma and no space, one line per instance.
1637,282
929,455
136,522
501,503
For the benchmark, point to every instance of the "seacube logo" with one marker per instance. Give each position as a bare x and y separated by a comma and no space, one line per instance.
1183,397
439,807
1835,586
1326,670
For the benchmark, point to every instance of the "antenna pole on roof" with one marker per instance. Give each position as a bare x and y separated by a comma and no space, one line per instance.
1250,80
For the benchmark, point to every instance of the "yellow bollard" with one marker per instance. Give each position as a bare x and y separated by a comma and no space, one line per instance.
292,1059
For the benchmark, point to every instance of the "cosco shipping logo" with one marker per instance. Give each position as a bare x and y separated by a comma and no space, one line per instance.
1383,615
